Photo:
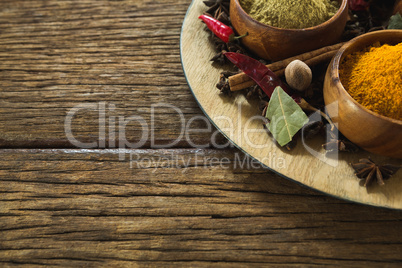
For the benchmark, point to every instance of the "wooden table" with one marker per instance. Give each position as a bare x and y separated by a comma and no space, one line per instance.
87,67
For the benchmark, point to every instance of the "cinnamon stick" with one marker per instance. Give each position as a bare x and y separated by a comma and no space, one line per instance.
241,81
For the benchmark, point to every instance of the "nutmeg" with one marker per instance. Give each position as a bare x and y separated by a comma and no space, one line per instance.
298,75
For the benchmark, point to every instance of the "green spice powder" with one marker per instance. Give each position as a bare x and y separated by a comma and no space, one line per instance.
290,14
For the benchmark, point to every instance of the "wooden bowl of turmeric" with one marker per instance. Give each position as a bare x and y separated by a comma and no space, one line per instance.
278,29
363,91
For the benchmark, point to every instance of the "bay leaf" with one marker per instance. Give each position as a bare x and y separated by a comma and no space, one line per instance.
285,115
395,22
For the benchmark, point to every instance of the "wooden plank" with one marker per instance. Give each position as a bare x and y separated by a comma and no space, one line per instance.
178,207
120,55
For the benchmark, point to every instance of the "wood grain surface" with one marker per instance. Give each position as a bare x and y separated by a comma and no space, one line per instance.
145,207
67,207
55,55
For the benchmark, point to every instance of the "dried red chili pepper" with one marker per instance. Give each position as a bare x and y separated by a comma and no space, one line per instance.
358,5
260,73
221,30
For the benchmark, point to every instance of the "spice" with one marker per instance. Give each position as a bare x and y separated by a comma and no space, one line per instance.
268,80
290,14
312,129
260,73
224,32
312,58
373,77
223,38
358,5
219,9
222,85
222,47
285,117
339,144
221,30
254,91
298,75
395,22
368,170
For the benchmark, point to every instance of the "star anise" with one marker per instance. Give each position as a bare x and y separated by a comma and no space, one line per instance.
222,47
223,17
367,170
217,7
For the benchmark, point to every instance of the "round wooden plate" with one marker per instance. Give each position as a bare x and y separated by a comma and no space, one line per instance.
238,119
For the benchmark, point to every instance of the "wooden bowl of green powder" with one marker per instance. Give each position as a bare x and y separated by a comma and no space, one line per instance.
363,91
278,29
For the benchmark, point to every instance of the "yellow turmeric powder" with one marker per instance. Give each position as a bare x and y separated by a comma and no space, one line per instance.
373,77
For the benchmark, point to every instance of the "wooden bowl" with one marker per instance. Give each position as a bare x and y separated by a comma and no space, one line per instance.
367,129
274,43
